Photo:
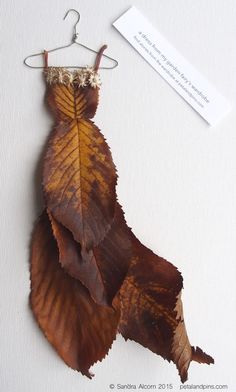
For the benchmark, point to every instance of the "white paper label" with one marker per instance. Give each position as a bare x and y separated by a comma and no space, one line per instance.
172,66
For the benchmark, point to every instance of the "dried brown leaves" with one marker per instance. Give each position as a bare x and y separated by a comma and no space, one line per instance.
90,276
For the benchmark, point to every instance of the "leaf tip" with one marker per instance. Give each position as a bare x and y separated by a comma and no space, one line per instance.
199,356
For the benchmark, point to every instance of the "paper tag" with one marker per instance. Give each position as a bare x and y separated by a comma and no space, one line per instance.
172,66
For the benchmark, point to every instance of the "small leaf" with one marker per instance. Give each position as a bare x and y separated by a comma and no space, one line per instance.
113,255
103,269
182,352
86,271
80,330
67,102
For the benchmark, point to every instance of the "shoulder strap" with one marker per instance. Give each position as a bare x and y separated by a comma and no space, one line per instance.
99,56
45,53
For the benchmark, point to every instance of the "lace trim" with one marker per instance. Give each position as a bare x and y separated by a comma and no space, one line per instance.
80,77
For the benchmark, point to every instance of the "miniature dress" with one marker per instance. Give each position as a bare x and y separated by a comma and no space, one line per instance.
90,276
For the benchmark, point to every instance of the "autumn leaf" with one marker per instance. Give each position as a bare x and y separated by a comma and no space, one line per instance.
69,103
79,176
151,310
182,352
80,330
114,254
102,269
70,258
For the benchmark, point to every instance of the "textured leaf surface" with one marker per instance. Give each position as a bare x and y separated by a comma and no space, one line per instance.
71,260
182,352
151,310
79,180
102,269
80,330
67,102
114,254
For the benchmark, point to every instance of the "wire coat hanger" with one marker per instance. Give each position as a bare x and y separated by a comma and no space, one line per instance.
74,38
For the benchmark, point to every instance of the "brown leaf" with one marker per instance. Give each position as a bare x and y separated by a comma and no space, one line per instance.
151,310
113,255
182,352
69,102
148,299
80,330
102,269
79,176
70,258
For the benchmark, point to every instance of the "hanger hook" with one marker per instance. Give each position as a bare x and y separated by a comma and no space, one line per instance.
75,35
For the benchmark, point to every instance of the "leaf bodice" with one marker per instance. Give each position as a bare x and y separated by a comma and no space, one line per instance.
72,94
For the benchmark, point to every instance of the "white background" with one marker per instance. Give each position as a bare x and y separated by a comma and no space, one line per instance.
177,181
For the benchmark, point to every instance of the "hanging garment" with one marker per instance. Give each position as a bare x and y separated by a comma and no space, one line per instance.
90,276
